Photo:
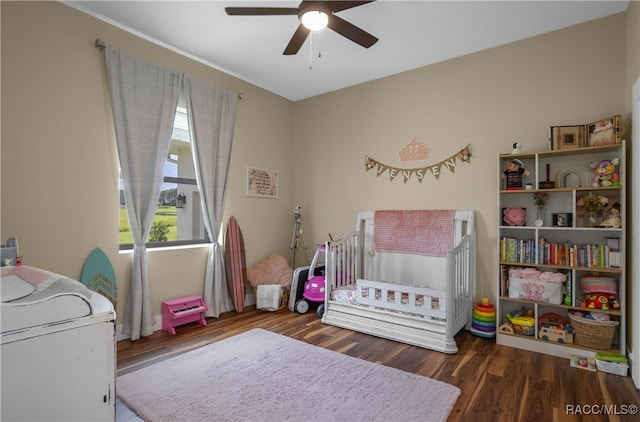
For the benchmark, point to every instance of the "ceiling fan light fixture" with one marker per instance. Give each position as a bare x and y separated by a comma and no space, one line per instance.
314,20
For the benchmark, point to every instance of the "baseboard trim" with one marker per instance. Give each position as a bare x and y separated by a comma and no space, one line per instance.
157,326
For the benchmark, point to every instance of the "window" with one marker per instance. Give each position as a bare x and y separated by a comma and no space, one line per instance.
178,219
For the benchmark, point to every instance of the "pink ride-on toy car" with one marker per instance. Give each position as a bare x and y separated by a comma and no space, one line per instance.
314,287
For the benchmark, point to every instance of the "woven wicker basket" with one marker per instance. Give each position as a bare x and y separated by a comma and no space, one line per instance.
284,297
593,334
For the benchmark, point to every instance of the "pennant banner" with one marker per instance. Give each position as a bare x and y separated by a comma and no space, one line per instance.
463,155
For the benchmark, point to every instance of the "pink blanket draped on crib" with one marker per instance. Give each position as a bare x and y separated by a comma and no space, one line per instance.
421,232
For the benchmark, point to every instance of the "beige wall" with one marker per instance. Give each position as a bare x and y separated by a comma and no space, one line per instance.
59,163
488,99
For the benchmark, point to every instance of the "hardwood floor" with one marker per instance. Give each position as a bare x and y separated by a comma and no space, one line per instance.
498,383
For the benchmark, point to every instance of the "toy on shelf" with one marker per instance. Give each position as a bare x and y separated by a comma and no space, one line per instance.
606,174
554,327
583,362
484,319
599,293
506,328
613,218
604,301
514,174
522,321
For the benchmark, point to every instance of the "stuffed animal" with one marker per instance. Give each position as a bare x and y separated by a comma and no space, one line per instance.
606,174
613,220
603,301
514,174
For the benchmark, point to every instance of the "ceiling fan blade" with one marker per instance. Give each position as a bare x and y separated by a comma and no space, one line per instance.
260,11
352,32
337,6
297,40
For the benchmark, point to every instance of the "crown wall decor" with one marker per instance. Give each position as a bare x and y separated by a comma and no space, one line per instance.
414,150
463,155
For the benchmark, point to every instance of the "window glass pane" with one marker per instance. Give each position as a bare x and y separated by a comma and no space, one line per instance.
178,215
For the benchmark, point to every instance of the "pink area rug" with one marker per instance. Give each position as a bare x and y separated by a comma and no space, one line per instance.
262,376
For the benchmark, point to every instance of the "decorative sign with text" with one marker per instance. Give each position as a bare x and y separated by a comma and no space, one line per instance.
262,182
464,155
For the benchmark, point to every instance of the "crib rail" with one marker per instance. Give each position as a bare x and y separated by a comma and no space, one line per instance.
407,299
342,262
460,270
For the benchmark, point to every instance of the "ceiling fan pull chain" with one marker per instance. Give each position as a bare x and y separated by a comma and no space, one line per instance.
319,45
310,50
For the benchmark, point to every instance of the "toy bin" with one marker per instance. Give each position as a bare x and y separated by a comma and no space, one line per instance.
598,284
536,290
593,334
617,368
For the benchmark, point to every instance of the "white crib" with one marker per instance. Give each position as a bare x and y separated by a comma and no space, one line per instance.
414,299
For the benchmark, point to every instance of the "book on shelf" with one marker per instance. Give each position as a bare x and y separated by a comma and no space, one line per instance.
558,253
517,250
613,243
573,255
614,259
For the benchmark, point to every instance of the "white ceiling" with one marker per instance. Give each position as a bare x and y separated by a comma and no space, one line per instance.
412,34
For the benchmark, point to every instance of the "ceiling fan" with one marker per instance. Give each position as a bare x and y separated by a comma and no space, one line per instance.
313,16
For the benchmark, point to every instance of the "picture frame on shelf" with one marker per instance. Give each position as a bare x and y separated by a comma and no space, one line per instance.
562,219
567,137
606,131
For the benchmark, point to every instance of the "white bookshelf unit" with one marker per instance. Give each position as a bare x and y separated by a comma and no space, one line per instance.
565,241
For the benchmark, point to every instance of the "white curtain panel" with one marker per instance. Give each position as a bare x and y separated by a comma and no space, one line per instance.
144,98
211,111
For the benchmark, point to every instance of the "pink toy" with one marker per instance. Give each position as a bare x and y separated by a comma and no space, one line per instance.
181,311
314,287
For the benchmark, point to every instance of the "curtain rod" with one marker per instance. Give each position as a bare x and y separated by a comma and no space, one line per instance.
101,45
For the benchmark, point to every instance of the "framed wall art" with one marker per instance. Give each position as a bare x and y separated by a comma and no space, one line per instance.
261,182
567,137
604,132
